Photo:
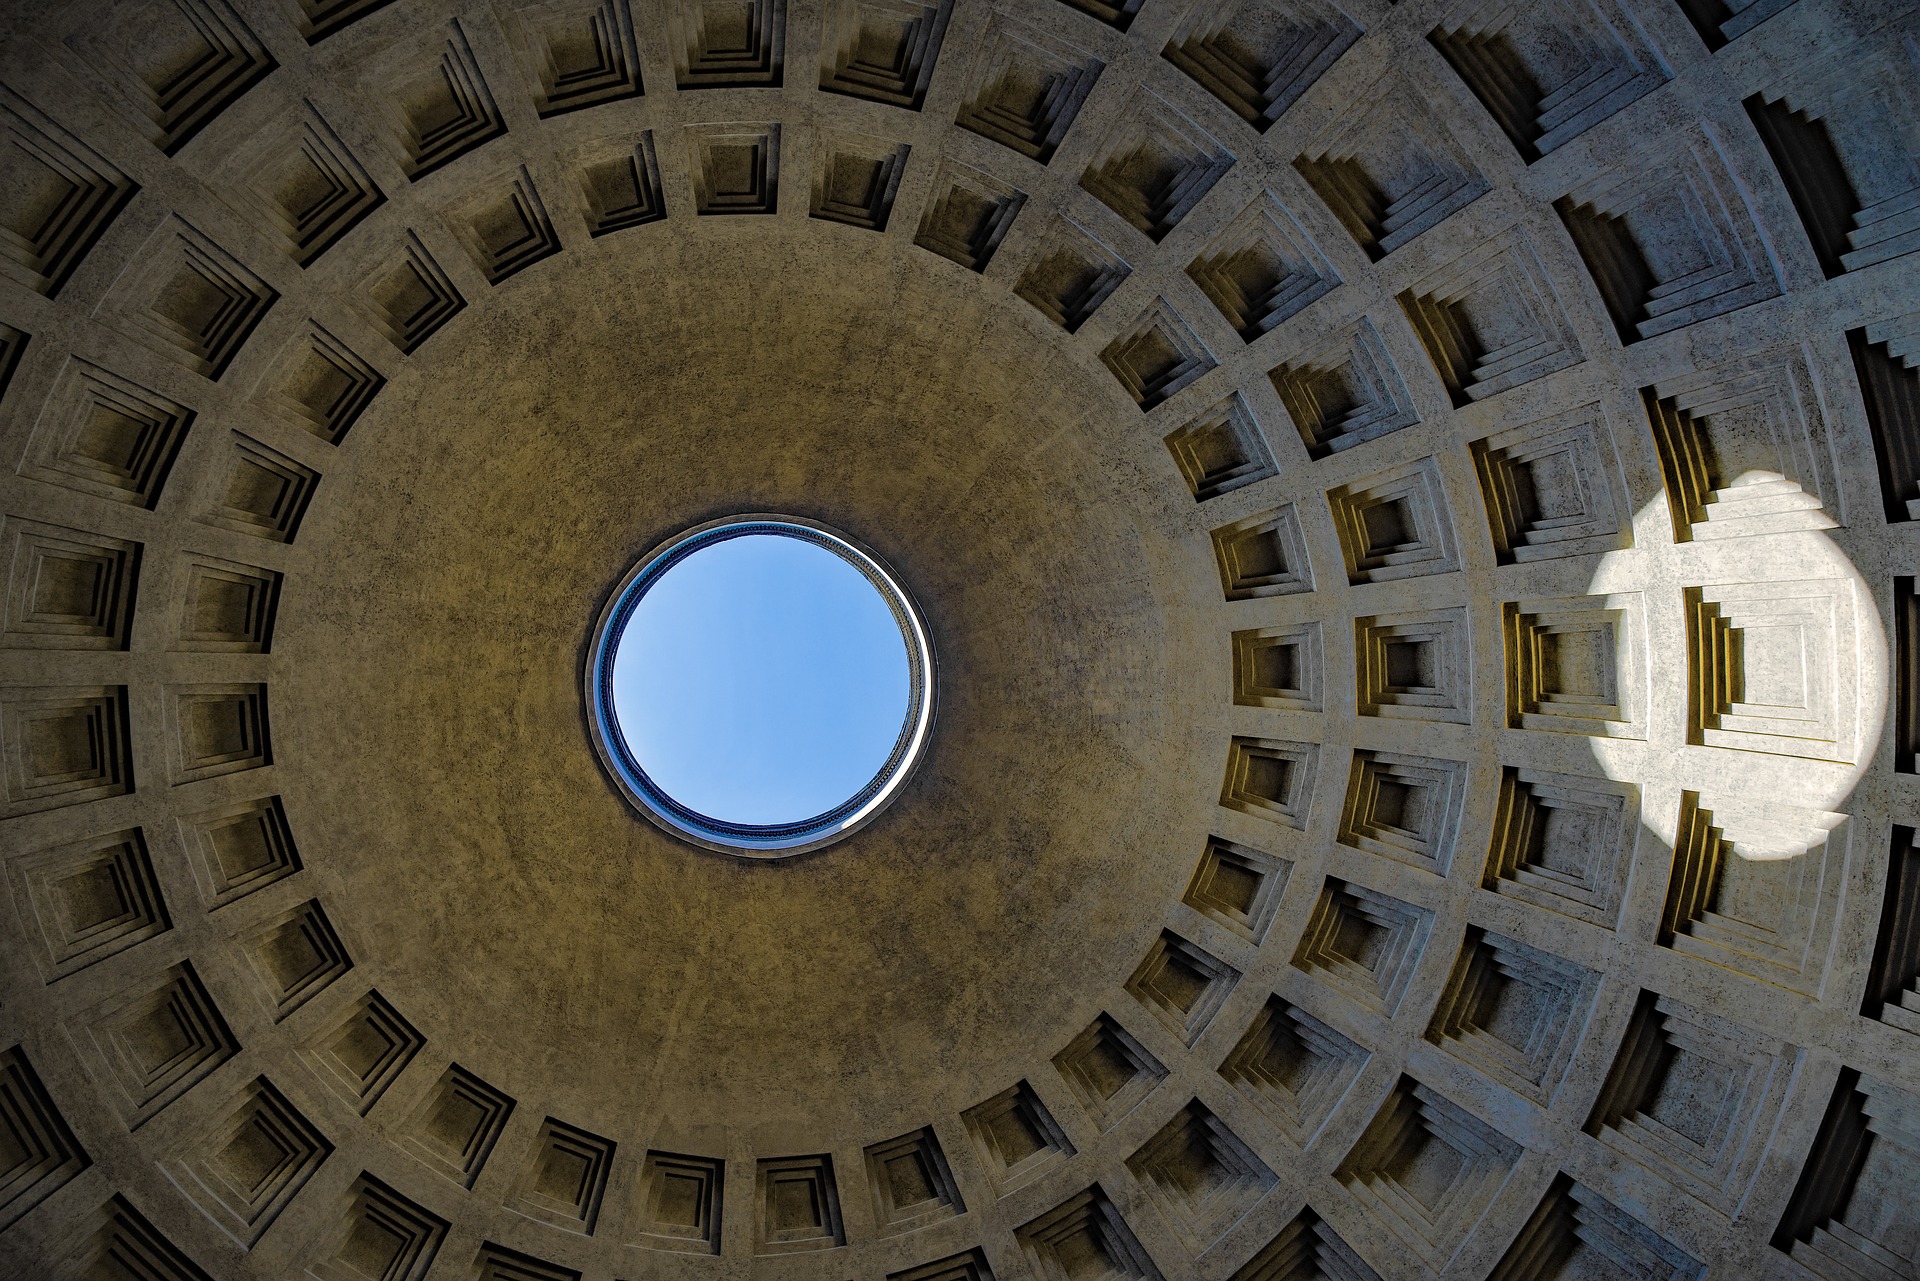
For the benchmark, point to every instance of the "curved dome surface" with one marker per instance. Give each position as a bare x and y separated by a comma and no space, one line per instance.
1415,508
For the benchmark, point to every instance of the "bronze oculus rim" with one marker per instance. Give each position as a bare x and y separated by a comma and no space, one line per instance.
774,840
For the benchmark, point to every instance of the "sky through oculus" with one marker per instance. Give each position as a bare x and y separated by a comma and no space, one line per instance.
761,680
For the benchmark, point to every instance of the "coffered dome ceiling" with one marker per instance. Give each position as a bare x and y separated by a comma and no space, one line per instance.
1415,505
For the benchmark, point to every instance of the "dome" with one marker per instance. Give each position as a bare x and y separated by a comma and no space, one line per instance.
1414,506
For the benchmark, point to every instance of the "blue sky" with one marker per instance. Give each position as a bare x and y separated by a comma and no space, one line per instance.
761,680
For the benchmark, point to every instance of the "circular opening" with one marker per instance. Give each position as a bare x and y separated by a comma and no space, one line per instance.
760,685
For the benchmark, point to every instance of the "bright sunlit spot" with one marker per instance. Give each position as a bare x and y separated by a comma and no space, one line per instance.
762,680
1792,717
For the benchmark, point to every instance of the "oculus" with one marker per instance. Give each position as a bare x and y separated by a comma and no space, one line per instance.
760,685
